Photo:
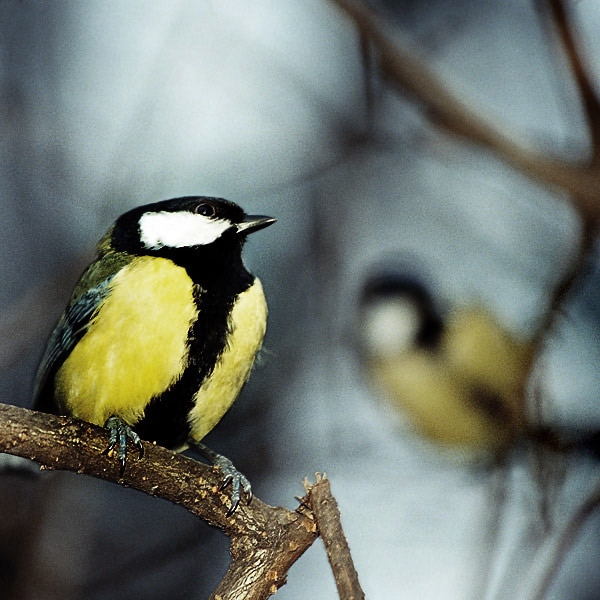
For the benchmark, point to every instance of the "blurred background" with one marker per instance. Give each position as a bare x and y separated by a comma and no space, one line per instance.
278,107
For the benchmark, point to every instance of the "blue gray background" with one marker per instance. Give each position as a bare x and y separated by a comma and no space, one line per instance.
109,104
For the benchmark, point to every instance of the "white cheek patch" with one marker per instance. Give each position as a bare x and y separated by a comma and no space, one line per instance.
391,327
179,229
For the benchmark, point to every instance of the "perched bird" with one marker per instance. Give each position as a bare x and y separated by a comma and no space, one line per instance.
458,377
162,330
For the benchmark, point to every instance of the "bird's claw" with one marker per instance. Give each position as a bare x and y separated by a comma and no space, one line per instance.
237,480
231,476
119,432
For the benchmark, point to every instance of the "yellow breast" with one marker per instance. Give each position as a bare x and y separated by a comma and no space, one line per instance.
436,401
136,346
247,325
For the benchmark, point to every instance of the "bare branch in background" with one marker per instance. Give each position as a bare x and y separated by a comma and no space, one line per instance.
554,552
591,106
408,73
589,98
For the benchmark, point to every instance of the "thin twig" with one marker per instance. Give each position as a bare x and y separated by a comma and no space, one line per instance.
327,517
555,550
565,286
591,104
497,489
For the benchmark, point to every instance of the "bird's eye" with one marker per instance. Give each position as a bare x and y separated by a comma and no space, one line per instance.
204,209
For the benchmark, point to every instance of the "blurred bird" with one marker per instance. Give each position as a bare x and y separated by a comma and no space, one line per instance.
162,329
458,377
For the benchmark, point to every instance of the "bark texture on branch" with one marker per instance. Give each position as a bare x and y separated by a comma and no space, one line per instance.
265,540
328,519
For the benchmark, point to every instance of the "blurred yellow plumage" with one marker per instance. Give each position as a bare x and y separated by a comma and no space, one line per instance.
460,380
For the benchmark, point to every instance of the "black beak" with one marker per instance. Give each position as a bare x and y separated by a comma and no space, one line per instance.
253,223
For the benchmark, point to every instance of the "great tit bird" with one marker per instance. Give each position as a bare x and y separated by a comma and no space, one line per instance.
458,377
162,330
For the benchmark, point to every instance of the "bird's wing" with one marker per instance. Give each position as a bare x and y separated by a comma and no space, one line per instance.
71,327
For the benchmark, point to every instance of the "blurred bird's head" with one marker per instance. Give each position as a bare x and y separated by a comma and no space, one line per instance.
397,315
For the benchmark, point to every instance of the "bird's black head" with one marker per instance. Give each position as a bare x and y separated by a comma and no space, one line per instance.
203,234
398,313
183,224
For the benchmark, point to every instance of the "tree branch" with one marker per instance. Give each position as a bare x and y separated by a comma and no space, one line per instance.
327,517
553,553
591,105
265,540
410,74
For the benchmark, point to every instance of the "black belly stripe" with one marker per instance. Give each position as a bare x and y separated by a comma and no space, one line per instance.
166,417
